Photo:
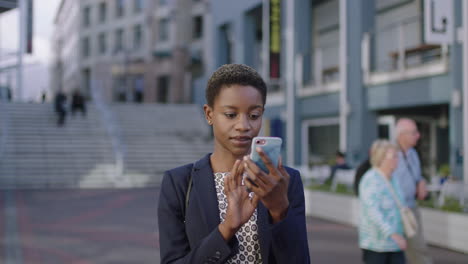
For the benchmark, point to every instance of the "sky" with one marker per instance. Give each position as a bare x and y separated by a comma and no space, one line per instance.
44,13
37,73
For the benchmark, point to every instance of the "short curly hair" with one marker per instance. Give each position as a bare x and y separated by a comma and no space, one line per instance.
230,74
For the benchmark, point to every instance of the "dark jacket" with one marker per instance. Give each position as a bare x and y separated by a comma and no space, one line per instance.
361,170
191,235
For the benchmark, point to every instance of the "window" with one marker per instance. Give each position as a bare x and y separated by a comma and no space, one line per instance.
86,52
254,36
162,89
102,43
137,36
323,140
87,16
163,29
86,81
120,89
137,5
119,8
119,40
399,26
197,27
321,137
226,44
102,12
325,43
138,88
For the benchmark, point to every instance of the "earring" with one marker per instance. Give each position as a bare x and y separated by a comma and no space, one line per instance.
209,122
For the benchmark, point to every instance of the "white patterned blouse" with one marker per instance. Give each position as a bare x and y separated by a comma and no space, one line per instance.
249,246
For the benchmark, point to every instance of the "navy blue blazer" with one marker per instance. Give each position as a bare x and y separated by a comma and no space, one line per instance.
191,235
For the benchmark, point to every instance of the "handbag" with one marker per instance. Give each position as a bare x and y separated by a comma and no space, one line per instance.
409,222
410,225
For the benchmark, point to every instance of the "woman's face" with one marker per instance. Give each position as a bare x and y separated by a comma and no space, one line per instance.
236,117
391,159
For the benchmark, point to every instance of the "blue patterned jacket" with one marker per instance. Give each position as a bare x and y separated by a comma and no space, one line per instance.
379,215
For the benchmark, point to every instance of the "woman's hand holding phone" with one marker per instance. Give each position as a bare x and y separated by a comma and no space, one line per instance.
240,205
271,188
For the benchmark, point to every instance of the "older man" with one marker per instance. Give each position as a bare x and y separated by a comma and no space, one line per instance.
412,184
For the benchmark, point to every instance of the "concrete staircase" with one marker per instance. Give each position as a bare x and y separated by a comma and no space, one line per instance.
38,154
161,137
35,153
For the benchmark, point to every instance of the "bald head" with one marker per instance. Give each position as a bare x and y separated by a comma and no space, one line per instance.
407,133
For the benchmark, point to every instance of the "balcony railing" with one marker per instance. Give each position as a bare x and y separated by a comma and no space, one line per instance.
318,71
398,47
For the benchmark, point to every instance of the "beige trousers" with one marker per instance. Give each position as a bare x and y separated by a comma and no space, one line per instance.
417,251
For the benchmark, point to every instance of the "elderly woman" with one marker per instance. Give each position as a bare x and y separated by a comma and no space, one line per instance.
381,228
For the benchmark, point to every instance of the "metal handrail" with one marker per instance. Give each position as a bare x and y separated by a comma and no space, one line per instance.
4,118
112,127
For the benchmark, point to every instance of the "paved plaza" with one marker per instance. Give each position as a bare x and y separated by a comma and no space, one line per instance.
120,226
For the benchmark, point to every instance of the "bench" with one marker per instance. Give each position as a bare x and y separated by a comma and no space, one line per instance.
453,189
316,174
345,177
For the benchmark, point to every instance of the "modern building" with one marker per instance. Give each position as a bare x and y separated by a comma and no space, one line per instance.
102,44
342,72
178,56
130,51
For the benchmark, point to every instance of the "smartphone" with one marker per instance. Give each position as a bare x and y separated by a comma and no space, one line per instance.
271,146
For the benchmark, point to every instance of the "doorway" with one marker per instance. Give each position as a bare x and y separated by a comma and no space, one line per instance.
433,146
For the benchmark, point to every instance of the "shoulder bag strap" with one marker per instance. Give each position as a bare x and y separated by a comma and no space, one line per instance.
187,194
395,197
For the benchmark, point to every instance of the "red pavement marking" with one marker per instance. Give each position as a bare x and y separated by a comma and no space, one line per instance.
63,195
326,227
25,231
2,221
96,234
157,240
64,256
99,211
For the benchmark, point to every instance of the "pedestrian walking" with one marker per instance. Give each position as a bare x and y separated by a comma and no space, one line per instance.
60,107
78,103
412,184
381,235
223,208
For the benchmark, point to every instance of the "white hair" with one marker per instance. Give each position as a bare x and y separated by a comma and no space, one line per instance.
379,150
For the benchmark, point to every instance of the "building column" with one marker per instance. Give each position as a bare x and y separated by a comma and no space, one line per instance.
456,105
289,14
303,49
361,125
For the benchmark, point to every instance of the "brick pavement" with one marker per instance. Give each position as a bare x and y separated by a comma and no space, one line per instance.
120,226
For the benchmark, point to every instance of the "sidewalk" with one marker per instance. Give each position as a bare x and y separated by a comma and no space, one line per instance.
120,226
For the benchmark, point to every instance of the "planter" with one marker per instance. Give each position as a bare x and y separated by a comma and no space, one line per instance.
443,229
338,208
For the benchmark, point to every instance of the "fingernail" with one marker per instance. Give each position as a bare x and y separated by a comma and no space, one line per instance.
258,149
246,157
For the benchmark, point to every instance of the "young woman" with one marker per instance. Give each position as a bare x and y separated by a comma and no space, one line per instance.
380,227
223,208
